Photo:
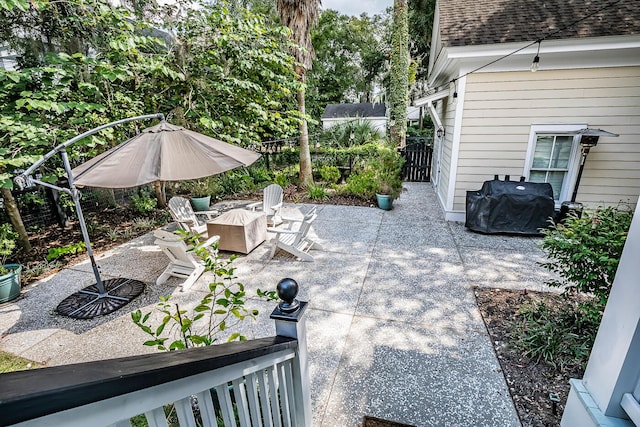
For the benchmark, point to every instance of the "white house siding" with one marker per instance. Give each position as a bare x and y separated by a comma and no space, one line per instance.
500,108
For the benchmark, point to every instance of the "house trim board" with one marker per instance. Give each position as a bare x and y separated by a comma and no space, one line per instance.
455,142
593,52
455,216
429,100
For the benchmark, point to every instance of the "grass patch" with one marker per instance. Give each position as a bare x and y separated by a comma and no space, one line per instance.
12,363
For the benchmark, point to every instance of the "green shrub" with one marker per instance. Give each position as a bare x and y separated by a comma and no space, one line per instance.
287,156
558,335
287,176
204,187
353,133
330,174
585,252
55,253
142,203
235,182
316,192
260,175
8,239
388,166
281,179
362,184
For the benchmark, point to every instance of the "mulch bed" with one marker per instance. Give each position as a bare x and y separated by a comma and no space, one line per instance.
379,422
530,383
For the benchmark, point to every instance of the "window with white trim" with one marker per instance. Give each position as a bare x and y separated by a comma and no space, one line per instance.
553,157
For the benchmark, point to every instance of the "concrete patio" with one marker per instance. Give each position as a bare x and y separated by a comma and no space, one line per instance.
393,327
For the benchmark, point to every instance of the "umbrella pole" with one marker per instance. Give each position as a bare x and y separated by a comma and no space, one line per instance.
105,296
75,195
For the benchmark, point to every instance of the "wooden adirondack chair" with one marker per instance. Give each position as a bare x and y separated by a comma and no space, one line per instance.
294,239
187,219
271,204
182,263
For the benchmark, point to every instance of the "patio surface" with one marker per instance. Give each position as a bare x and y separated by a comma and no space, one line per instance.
393,327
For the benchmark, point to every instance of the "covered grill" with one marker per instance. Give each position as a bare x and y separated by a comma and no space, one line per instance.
514,207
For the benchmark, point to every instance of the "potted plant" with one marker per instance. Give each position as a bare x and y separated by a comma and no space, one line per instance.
387,167
200,191
9,273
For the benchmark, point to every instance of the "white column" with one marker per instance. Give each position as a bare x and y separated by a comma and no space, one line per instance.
614,363
290,322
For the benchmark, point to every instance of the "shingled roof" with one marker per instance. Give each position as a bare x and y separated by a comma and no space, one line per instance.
465,23
365,109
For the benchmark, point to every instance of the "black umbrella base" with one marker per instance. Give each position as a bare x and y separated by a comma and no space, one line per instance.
88,303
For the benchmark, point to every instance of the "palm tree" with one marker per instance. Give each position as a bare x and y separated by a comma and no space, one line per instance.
300,16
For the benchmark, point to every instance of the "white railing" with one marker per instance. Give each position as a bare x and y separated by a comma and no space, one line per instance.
631,407
258,383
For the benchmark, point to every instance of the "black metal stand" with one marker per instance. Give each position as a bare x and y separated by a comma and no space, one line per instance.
103,297
89,302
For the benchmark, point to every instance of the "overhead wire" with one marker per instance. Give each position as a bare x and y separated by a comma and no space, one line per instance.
539,40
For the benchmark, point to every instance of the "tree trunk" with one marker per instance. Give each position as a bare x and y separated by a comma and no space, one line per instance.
306,175
159,188
16,220
399,74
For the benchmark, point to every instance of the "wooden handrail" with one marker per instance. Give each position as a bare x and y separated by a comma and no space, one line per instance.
26,395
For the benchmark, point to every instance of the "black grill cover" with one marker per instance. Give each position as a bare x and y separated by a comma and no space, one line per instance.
510,207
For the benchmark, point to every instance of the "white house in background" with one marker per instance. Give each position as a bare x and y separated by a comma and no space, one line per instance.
376,114
496,116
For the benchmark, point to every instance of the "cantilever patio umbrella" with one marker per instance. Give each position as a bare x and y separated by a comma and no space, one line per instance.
160,153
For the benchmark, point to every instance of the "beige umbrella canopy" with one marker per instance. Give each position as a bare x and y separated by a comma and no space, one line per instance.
161,153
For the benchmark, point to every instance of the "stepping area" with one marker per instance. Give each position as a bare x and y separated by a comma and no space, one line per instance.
394,331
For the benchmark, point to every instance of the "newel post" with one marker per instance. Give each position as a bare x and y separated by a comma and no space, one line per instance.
290,322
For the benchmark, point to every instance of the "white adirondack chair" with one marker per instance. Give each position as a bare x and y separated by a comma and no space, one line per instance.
293,238
271,204
182,263
187,219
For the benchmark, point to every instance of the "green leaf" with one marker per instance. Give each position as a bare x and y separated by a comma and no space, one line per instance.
177,345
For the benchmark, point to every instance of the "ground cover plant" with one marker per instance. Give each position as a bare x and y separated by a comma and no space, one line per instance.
12,363
543,340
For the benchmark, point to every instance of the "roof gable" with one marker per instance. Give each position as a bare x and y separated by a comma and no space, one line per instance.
467,23
365,109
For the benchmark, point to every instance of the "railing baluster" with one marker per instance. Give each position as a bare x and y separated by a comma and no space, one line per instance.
288,374
269,379
252,396
207,410
241,402
284,395
184,410
273,396
264,398
226,405
156,418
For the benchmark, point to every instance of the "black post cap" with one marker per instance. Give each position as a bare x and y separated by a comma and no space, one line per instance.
289,308
287,289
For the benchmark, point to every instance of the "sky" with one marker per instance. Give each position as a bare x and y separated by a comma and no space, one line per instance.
356,7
